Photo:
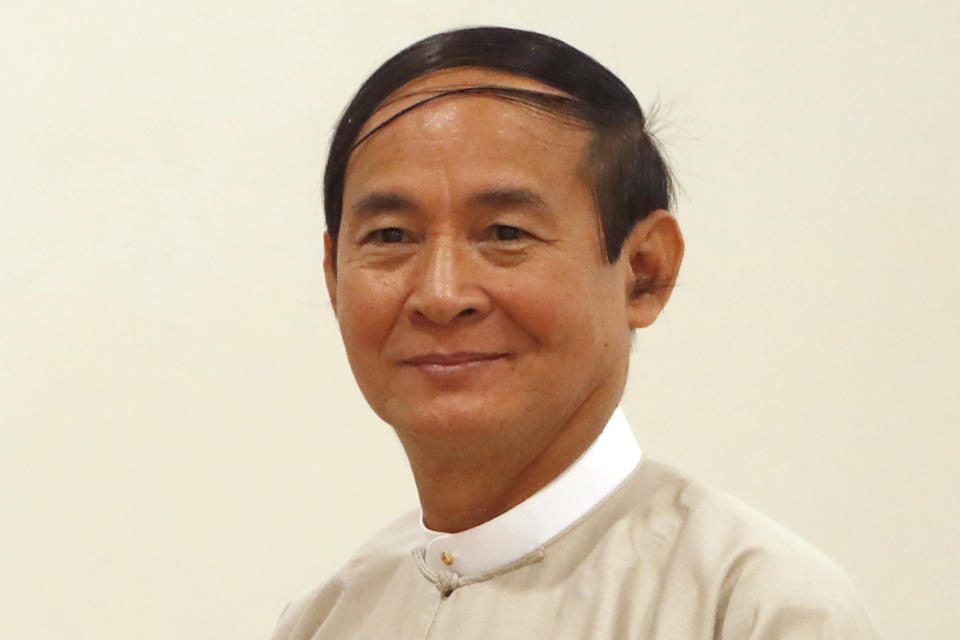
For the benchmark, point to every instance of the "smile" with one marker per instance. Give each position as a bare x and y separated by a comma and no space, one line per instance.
451,362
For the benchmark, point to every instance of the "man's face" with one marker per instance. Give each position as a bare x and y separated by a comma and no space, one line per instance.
471,287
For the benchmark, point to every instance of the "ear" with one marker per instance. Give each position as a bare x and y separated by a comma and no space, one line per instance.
651,257
330,270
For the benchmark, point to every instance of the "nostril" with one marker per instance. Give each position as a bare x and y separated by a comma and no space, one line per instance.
467,312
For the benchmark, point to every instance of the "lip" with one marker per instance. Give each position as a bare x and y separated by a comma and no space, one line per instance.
452,361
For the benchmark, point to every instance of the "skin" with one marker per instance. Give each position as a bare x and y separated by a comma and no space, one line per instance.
479,314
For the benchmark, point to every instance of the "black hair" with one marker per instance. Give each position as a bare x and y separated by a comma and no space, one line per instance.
630,178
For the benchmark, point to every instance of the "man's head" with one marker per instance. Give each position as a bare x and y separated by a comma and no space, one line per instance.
629,178
485,305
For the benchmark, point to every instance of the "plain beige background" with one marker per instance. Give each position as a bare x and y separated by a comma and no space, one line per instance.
182,446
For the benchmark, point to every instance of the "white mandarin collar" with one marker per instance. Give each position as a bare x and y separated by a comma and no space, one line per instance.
529,525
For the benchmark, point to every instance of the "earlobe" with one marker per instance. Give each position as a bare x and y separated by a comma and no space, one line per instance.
652,254
330,269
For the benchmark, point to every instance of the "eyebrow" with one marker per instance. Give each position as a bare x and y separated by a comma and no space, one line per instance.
383,202
507,198
493,199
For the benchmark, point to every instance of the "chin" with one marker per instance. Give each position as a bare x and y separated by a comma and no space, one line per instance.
450,418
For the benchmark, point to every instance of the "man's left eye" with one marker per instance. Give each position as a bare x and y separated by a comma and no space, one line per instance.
505,232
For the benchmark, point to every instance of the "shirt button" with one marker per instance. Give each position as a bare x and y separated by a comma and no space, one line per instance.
447,558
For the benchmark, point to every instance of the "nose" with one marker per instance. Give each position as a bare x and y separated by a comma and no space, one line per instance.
446,288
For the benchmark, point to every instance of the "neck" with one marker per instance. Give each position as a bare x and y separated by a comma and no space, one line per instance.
479,482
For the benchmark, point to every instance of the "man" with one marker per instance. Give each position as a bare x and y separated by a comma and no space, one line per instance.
498,225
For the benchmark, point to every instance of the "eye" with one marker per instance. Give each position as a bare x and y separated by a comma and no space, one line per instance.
506,233
389,235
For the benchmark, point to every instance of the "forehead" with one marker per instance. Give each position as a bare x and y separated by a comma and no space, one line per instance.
467,142
470,152
443,81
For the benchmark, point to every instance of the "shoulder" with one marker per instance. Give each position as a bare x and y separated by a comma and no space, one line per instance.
765,581
386,553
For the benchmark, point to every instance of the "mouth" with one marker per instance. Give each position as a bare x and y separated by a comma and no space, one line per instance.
451,361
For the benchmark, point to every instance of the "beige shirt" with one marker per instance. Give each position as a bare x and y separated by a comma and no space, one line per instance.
660,558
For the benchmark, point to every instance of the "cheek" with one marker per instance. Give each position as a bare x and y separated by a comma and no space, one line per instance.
555,310
578,317
366,310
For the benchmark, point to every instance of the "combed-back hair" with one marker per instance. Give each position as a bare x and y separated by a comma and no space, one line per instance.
629,176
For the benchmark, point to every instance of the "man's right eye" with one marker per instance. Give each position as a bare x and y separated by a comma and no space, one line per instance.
390,235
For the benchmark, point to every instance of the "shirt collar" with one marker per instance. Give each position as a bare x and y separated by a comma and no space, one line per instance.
529,525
